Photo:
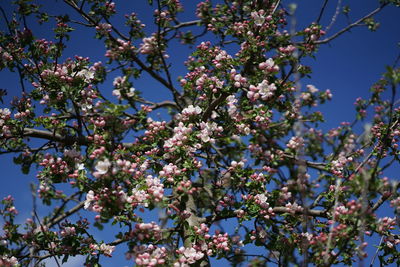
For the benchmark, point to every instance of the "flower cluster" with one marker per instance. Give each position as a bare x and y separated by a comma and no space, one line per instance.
190,111
339,164
207,129
386,224
150,255
295,142
4,116
105,249
149,45
180,136
120,49
155,188
170,171
7,261
146,231
189,256
70,72
263,90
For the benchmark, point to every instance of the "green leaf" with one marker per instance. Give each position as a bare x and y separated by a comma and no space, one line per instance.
98,225
346,10
25,168
65,259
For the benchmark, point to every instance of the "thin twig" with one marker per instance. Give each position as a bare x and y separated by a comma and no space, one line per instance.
66,214
276,7
354,24
376,252
329,244
334,18
321,13
135,59
44,229
164,63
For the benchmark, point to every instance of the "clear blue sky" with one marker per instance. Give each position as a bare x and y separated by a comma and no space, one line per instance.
347,66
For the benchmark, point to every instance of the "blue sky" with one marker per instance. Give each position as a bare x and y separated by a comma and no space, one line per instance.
347,66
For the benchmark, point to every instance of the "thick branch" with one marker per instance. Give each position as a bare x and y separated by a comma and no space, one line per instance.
181,25
277,210
66,214
163,104
313,213
213,105
315,165
52,136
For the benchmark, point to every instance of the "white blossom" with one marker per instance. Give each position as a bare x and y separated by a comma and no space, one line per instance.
258,19
191,254
107,249
102,166
89,199
191,110
266,90
312,88
86,74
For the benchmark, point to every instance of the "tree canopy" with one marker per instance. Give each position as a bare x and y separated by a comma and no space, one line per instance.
224,157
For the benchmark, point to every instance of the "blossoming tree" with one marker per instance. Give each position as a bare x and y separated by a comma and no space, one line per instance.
238,142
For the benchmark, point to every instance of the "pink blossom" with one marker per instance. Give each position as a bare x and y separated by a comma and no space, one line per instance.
191,255
148,46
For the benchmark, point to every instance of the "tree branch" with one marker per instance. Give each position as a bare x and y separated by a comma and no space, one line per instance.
52,136
354,24
181,25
